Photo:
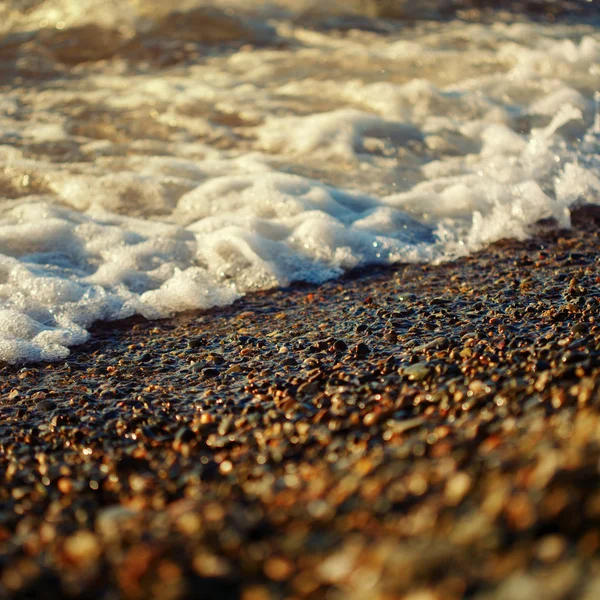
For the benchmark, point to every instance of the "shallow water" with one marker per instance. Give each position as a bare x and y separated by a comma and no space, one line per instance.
155,162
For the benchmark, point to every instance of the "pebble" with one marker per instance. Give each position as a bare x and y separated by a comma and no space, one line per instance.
46,405
437,343
455,457
210,372
82,548
361,350
416,372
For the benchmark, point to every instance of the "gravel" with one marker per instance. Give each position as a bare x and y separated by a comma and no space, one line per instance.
428,432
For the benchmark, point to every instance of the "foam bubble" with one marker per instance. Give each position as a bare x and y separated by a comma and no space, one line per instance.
340,134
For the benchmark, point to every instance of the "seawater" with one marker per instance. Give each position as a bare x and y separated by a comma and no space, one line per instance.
153,162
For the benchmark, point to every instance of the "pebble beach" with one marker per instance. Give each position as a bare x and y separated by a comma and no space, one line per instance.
422,432
299,300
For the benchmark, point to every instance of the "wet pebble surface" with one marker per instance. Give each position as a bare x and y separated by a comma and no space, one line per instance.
421,432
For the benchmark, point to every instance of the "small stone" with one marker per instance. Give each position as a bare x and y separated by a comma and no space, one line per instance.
210,372
226,467
416,372
46,405
278,569
336,567
64,485
361,350
405,425
438,343
340,346
215,358
197,342
311,363
309,387
457,488
551,548
82,548
210,565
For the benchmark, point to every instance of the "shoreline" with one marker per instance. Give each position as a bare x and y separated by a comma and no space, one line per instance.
403,430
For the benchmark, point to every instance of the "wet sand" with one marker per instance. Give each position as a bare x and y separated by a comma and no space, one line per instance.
413,432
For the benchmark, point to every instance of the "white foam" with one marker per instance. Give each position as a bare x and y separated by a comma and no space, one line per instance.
256,169
336,135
